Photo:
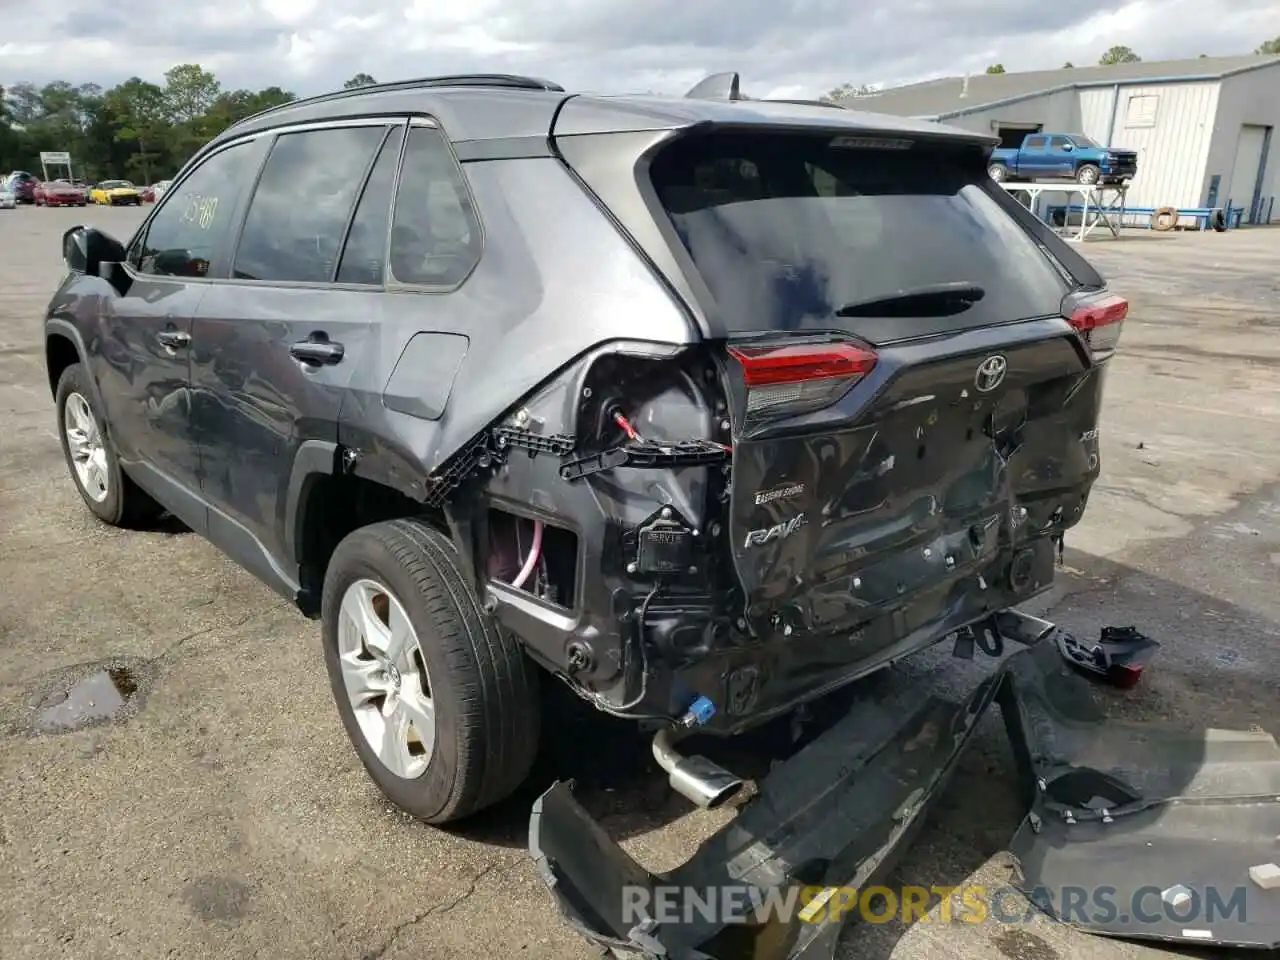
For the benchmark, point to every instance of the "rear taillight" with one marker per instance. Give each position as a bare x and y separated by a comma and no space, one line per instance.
1099,319
795,378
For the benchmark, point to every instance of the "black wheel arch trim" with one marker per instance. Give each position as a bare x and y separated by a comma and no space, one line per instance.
315,459
65,328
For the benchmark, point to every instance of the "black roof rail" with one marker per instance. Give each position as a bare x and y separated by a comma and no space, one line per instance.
810,103
504,80
728,86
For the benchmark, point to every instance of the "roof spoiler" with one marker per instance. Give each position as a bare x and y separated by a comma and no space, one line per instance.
728,86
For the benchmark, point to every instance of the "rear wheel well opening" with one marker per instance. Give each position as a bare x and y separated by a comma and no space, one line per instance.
332,506
59,353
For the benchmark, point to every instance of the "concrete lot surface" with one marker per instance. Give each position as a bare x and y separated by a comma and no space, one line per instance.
226,815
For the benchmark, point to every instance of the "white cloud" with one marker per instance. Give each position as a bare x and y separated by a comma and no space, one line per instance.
796,47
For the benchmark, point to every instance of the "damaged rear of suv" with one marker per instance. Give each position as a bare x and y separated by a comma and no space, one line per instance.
707,407
887,423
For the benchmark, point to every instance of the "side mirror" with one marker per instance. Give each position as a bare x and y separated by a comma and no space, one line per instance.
89,251
1068,147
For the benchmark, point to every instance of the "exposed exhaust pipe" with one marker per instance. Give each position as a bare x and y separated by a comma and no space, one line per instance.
1021,627
706,784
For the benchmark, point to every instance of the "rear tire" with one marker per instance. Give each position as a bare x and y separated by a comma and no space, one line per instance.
484,713
91,458
999,172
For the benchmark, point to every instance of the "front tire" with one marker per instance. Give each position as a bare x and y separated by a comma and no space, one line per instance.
108,493
439,702
998,172
1087,175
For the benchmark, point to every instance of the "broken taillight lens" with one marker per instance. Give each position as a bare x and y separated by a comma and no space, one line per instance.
1099,319
793,378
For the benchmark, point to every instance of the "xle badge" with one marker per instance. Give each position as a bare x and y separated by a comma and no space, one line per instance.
779,531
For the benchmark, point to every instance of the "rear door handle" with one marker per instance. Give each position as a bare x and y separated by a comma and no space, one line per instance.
317,352
173,339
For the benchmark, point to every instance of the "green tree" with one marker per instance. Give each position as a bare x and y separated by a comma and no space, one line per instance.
359,80
996,68
138,129
1068,65
1118,54
190,92
1270,48
24,103
235,105
848,91
140,111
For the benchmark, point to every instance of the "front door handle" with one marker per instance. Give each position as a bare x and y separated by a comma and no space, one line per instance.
173,339
317,352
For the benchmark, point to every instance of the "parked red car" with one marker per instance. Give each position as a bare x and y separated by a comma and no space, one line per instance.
59,193
148,194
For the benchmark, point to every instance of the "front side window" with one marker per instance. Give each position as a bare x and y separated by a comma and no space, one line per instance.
185,233
435,237
293,230
1060,143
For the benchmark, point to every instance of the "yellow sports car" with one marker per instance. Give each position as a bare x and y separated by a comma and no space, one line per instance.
115,193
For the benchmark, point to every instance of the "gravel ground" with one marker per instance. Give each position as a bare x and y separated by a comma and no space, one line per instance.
224,815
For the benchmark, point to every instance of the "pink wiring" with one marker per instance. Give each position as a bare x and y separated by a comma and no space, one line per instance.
534,553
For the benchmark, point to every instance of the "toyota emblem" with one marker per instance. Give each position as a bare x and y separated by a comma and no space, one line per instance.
990,373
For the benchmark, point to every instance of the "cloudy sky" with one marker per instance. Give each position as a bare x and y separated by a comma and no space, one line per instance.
781,48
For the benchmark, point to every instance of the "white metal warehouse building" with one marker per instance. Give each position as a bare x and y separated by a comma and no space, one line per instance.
1203,128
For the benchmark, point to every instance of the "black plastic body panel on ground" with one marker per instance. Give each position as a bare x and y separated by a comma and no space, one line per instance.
1140,810
1194,811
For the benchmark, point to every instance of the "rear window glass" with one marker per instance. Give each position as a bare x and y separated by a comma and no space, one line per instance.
786,229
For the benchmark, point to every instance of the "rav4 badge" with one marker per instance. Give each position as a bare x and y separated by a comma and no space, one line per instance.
779,531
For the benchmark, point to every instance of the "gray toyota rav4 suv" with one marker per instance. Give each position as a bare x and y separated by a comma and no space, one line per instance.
702,406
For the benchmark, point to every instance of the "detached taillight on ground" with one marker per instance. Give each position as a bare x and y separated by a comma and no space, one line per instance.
1099,318
1119,656
790,379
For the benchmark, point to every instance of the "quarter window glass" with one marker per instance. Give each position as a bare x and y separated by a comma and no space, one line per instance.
435,238
293,230
366,249
185,233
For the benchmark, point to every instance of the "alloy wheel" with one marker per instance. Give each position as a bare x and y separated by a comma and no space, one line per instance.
88,451
386,679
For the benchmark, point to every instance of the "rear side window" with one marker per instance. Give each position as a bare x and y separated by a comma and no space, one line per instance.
365,253
1035,143
786,230
299,211
435,237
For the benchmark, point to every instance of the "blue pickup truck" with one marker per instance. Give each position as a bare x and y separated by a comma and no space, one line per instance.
1063,156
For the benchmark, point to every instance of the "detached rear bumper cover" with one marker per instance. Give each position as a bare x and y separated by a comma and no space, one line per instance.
839,812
